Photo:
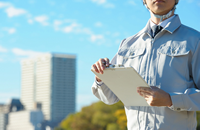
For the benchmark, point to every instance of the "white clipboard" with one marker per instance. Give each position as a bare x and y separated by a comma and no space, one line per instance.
123,82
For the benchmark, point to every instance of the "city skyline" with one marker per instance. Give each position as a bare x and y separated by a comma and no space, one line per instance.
89,29
48,93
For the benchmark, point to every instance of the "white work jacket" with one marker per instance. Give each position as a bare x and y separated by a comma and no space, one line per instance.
170,61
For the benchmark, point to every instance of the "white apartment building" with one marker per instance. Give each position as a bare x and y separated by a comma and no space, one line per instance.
50,80
25,120
3,121
28,83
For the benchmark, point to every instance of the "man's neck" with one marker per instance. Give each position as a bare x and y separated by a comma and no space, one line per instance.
157,20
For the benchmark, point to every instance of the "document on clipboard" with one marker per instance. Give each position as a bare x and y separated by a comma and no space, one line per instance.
123,82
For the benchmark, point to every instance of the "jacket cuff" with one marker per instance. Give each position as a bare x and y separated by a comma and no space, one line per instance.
178,102
98,83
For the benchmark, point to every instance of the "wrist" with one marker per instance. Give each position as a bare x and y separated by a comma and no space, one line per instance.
97,79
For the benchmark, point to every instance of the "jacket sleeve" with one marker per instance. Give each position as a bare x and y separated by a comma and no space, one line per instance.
102,92
190,99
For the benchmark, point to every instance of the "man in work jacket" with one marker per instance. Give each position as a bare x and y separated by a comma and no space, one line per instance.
166,54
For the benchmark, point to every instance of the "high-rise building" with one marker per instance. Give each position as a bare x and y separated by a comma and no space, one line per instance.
49,83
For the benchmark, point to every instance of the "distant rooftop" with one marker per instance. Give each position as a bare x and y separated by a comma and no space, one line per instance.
45,55
14,102
62,55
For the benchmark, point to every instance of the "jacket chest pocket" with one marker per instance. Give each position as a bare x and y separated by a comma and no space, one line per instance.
173,61
131,57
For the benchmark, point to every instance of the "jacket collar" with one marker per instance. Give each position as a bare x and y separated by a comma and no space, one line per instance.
170,27
173,25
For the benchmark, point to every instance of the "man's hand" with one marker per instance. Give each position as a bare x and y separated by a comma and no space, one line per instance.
155,96
99,66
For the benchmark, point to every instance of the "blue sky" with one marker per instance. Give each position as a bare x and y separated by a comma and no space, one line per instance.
90,29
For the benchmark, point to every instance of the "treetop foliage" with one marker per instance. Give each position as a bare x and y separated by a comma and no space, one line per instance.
97,116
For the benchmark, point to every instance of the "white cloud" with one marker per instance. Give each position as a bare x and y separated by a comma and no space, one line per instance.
11,11
77,28
70,25
10,30
4,4
98,24
26,53
132,2
66,26
83,30
56,24
2,49
104,3
74,27
71,28
42,20
99,1
95,38
30,21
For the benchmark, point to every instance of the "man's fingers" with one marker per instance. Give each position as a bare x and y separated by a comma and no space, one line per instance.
107,61
95,68
99,67
145,89
144,94
102,63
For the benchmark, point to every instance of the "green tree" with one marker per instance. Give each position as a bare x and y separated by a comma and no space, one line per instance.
112,126
198,120
97,116
101,119
121,119
100,116
66,124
